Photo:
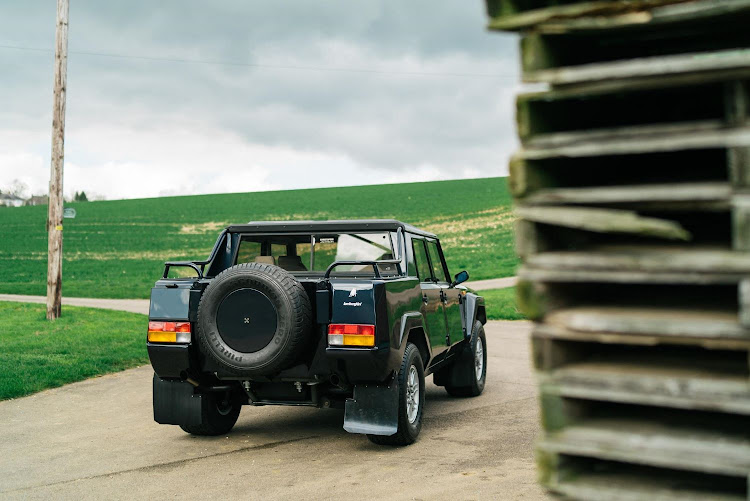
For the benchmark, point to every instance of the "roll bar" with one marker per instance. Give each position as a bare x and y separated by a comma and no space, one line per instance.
198,266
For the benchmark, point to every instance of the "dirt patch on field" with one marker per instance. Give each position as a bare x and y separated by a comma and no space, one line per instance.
496,218
317,216
202,228
164,255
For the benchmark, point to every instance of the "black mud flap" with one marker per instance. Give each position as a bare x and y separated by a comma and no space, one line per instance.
373,410
176,403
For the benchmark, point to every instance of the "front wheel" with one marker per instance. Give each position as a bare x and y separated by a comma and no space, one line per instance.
410,400
219,413
471,368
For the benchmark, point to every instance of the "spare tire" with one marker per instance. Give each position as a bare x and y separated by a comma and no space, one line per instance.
254,319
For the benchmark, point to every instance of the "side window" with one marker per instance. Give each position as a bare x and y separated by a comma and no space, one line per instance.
303,251
438,270
278,250
420,256
248,251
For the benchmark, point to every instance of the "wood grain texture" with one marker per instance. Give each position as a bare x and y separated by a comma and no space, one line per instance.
55,207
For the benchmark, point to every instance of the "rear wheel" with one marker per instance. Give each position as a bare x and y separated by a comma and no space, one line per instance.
471,368
411,400
219,413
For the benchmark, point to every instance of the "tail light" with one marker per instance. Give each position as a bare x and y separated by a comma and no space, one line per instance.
169,332
351,335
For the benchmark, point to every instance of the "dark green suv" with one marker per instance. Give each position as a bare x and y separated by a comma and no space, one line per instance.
351,314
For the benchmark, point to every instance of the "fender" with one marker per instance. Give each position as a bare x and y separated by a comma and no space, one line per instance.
411,320
473,305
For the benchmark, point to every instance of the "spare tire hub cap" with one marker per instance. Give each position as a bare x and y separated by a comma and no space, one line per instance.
246,320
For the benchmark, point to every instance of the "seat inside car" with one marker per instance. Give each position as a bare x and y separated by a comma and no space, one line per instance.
265,260
291,263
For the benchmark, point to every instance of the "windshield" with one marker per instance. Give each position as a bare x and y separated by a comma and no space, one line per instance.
315,253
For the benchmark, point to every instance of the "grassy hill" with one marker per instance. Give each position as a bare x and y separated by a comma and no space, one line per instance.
116,249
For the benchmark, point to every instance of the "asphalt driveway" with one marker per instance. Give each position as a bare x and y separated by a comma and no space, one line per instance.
97,440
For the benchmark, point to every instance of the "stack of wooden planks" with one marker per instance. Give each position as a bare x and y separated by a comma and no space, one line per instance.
632,188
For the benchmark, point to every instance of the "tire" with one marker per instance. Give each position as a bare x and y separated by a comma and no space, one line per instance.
468,367
410,374
219,414
254,319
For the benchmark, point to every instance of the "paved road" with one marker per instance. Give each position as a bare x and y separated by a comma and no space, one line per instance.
493,283
131,305
97,440
141,305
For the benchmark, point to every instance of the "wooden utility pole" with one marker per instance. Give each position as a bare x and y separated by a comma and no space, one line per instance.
55,210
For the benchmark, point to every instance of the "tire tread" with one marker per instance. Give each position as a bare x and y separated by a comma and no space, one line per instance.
301,313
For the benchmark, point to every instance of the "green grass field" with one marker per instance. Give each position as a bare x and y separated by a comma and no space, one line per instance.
36,354
116,249
501,304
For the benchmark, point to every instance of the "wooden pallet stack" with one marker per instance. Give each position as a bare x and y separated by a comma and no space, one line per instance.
632,188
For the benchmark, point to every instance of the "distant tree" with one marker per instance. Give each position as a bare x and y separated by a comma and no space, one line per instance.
18,188
80,197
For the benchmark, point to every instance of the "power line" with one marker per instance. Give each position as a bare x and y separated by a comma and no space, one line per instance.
262,66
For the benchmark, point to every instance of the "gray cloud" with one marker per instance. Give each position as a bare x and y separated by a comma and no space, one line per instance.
408,115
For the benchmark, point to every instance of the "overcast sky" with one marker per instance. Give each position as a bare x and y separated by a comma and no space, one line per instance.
313,93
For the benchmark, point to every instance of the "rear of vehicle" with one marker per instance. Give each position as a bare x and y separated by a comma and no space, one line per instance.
304,314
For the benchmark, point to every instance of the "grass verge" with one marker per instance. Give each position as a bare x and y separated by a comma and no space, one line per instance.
501,304
36,354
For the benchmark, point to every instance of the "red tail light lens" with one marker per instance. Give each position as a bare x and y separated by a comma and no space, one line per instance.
351,335
169,332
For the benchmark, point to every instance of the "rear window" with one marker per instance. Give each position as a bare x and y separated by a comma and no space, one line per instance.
314,253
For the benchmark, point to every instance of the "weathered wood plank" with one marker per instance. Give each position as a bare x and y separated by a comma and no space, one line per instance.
633,382
648,325
743,298
531,274
741,222
656,67
624,483
515,15
645,259
661,18
739,167
604,221
652,443
706,195
736,103
632,140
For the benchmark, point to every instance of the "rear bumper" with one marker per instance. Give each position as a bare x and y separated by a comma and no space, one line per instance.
363,364
169,361
357,365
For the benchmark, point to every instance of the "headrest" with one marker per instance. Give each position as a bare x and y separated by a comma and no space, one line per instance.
265,260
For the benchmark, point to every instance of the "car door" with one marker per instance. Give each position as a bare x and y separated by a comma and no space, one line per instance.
450,296
432,304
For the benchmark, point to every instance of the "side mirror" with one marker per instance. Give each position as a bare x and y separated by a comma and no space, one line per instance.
460,278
